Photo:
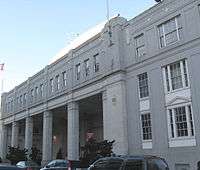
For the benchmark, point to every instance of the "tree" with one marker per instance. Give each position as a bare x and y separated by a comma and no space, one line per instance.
15,154
94,150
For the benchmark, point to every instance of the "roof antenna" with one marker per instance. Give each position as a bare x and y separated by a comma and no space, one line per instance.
109,26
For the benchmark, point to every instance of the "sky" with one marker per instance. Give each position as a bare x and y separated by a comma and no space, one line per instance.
32,32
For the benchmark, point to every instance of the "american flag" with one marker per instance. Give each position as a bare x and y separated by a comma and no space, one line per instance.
2,67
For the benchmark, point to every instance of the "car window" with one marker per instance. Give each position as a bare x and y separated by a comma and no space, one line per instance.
51,164
100,165
61,164
134,165
157,164
114,165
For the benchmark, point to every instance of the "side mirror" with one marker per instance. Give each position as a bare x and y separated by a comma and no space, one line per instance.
47,166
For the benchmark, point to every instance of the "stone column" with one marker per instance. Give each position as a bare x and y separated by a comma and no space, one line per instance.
29,133
3,140
47,136
73,131
115,117
15,134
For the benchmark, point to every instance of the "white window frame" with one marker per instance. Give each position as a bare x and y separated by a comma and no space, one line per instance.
137,47
51,83
144,113
57,82
64,78
146,97
41,90
169,76
96,62
174,122
78,71
162,26
87,67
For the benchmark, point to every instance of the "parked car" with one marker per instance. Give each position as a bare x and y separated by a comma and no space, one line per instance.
61,164
5,166
28,165
130,163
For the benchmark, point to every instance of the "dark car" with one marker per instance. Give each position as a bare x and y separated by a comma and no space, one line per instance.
28,165
130,163
5,166
61,164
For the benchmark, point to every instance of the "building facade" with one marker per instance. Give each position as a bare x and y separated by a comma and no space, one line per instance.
135,82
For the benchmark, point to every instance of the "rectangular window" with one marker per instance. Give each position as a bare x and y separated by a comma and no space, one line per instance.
96,62
176,75
181,121
64,77
51,85
32,94
143,85
170,31
20,100
57,82
36,92
78,71
87,67
140,45
146,126
25,98
41,90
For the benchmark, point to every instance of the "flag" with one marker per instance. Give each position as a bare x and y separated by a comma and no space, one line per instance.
1,67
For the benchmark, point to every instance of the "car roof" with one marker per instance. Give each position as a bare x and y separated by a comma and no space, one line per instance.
130,157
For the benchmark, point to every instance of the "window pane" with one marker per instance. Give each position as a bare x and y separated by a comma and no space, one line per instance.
171,123
176,78
143,85
181,121
191,120
146,126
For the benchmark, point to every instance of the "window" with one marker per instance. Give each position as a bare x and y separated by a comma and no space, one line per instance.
20,100
32,94
87,68
176,75
146,126
134,165
25,98
36,92
64,76
57,82
96,62
143,85
78,71
181,121
170,31
140,45
51,85
41,90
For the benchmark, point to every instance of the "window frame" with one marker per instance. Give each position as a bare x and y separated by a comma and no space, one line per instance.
78,71
137,46
64,78
168,86
87,67
96,62
139,87
177,28
188,121
142,128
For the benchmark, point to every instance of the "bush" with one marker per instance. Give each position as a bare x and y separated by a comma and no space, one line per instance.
15,154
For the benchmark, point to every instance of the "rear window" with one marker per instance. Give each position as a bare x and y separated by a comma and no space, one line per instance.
157,164
134,165
108,165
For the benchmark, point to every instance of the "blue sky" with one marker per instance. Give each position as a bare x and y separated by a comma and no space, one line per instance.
32,32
